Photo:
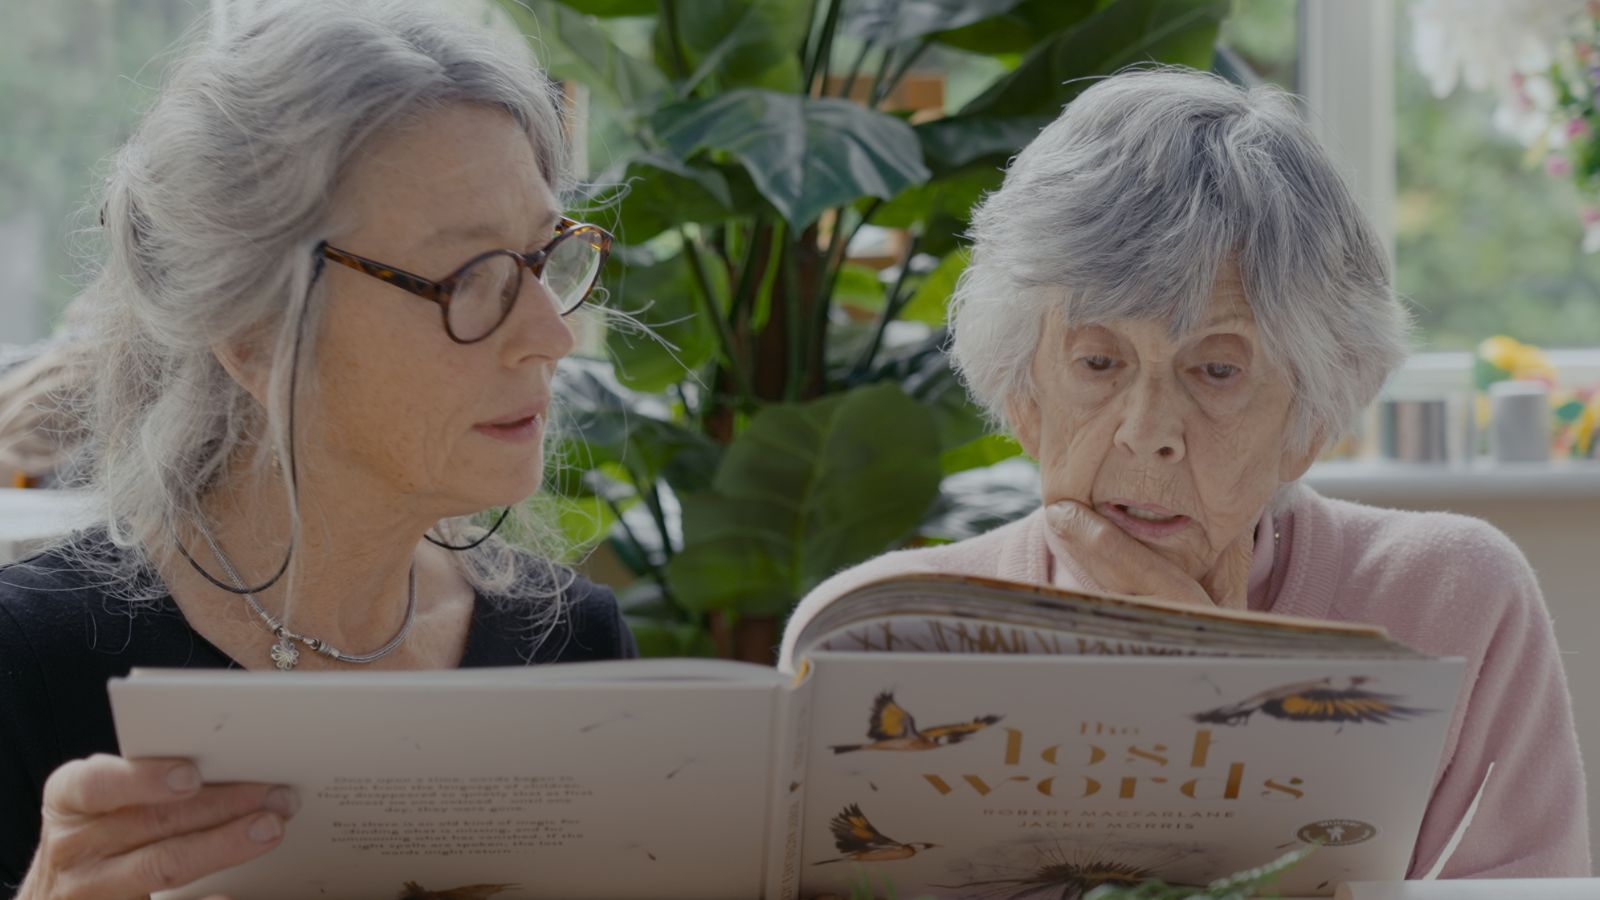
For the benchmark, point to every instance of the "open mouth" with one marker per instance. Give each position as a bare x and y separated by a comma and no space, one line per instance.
1145,514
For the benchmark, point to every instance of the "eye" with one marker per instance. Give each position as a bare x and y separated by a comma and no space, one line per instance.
1098,363
1219,371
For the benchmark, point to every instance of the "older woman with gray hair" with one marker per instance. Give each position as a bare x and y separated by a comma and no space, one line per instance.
1174,303
323,337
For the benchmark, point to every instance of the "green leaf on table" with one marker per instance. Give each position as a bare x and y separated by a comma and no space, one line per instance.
931,301
806,490
664,193
574,47
663,297
1117,35
736,43
889,22
804,154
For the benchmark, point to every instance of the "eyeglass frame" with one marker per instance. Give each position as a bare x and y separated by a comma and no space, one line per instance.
440,291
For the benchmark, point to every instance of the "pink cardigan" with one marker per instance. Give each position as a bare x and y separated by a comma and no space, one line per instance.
1445,584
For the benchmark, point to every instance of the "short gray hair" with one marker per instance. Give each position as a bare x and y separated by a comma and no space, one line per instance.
213,213
1127,206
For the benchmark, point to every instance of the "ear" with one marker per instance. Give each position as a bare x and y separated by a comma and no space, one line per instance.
1294,463
244,364
1022,411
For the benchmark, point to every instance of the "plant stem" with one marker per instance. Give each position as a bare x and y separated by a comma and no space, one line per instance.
746,288
656,571
891,309
653,503
669,13
708,300
855,70
877,80
791,310
819,58
900,71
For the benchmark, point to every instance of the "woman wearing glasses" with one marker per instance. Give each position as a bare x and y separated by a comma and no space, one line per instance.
335,292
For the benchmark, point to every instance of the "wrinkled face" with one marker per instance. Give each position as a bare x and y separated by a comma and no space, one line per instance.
400,408
1181,443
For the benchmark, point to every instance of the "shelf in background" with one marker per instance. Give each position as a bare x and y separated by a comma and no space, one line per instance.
1376,481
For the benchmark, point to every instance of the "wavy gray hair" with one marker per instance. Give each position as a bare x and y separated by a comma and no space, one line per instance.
1127,205
212,214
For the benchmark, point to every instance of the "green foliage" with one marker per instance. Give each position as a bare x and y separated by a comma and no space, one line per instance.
1486,243
784,427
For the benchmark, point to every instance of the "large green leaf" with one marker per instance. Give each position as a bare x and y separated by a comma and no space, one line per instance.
932,298
1020,28
805,491
611,8
605,424
896,21
663,193
736,43
572,46
661,297
1122,33
804,154
951,195
961,141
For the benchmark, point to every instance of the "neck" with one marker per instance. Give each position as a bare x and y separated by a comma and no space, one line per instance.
348,576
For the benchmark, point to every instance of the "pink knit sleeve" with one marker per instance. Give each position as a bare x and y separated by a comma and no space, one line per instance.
1532,821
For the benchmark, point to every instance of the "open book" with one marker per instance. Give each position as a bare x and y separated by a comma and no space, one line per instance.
943,736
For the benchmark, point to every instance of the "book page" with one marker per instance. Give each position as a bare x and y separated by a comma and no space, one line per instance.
992,775
494,781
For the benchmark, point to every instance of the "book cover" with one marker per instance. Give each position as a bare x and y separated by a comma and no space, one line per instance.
940,736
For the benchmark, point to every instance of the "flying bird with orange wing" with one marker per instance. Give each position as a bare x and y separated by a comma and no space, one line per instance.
1340,700
858,841
892,728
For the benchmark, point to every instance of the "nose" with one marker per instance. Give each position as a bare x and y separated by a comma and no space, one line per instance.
535,329
1152,421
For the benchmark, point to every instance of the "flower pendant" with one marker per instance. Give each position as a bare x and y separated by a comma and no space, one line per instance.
285,655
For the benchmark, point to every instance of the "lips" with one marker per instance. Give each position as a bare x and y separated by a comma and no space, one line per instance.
517,427
1145,521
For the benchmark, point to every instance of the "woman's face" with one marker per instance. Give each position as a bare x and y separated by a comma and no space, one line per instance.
400,408
1180,443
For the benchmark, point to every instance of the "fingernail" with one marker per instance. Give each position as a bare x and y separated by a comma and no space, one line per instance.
266,829
183,779
283,801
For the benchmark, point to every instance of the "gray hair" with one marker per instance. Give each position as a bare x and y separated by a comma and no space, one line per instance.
213,212
1127,206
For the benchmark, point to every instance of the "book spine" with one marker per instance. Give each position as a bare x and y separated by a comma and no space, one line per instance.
786,802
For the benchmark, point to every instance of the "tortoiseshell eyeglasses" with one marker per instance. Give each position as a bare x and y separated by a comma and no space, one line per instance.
477,297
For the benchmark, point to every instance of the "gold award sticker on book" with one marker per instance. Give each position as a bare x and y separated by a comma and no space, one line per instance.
1337,832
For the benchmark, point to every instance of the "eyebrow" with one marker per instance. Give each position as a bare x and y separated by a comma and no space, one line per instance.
484,232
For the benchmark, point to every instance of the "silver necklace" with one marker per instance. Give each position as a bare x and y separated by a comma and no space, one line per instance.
285,655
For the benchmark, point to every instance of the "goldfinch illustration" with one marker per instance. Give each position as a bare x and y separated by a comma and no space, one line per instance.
1327,700
859,841
892,728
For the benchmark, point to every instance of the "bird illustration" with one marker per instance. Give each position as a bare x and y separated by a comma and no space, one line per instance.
1326,700
859,841
414,891
892,728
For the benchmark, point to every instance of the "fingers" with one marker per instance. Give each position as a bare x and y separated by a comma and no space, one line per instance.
1116,560
179,860
214,805
104,784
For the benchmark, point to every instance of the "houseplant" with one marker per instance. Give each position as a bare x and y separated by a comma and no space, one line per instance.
789,411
